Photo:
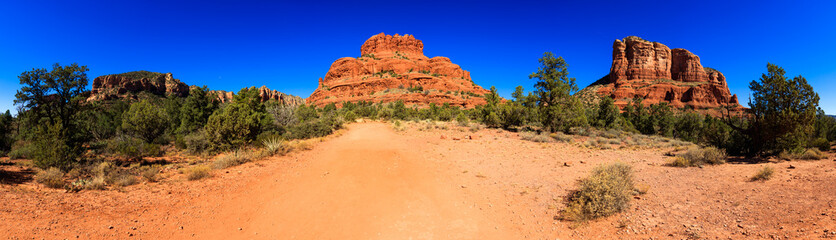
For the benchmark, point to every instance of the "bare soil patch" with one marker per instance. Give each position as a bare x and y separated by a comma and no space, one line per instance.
373,182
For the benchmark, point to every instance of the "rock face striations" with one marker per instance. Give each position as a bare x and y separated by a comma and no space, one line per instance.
393,68
123,85
266,95
130,84
654,72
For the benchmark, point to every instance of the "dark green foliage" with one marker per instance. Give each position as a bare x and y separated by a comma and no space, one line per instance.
489,112
820,143
662,120
22,150
196,142
132,148
172,106
559,110
146,121
607,116
511,114
139,74
196,109
825,126
103,119
312,129
783,112
49,102
688,126
238,123
6,139
51,148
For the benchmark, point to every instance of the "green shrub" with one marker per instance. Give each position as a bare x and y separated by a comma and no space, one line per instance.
198,172
462,120
146,121
763,174
695,157
821,144
51,149
235,125
133,148
196,142
560,137
52,178
808,154
535,137
233,158
607,191
149,173
21,150
812,154
312,129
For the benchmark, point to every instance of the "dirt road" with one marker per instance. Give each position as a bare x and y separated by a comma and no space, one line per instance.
367,184
372,182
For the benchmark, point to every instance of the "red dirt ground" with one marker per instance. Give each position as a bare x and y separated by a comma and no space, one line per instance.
375,183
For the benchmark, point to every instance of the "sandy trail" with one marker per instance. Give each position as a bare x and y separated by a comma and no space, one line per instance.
366,184
374,183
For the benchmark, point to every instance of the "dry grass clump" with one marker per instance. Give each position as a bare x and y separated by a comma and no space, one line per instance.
696,157
475,127
124,179
534,137
764,174
398,126
610,133
607,191
233,158
808,154
97,183
52,178
198,172
149,173
560,137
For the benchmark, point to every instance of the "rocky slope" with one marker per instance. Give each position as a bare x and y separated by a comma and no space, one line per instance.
393,68
656,73
129,85
265,93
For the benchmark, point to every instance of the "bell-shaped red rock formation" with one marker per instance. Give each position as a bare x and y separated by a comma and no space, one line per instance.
652,71
393,68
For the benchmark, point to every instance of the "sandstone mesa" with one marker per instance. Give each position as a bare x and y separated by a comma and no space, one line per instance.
656,73
392,68
127,85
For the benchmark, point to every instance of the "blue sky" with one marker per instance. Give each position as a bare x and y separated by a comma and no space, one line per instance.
288,46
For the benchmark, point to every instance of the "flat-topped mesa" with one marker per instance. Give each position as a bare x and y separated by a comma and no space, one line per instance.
393,68
128,85
654,72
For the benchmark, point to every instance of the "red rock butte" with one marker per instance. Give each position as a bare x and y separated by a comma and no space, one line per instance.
128,85
654,72
393,68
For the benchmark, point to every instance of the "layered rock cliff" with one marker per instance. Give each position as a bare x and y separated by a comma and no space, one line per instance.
393,68
654,72
266,95
128,85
